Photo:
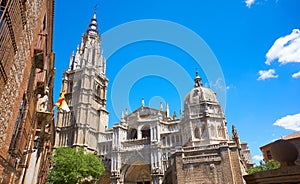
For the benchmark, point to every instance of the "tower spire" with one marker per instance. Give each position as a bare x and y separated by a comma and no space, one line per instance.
93,27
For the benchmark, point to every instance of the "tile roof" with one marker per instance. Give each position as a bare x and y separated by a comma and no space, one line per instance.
292,136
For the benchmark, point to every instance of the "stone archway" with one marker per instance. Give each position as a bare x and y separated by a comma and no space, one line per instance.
138,173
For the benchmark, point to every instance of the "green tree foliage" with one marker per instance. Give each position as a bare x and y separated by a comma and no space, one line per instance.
71,166
264,166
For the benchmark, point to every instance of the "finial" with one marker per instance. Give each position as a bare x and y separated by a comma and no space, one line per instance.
198,80
161,106
143,102
167,110
234,133
71,64
93,27
174,115
126,112
122,117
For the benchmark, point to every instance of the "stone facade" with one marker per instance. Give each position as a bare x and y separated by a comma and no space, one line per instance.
85,84
147,145
26,86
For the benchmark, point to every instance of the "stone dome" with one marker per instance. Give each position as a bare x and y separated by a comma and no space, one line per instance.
200,94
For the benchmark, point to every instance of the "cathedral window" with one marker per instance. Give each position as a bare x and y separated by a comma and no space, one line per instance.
203,130
173,139
197,133
164,140
97,89
146,131
70,87
132,134
177,138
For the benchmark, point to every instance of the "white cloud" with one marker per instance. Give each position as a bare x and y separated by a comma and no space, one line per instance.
258,157
267,74
219,84
249,3
290,122
296,75
286,49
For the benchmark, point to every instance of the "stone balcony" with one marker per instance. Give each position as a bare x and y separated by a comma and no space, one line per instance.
135,144
142,141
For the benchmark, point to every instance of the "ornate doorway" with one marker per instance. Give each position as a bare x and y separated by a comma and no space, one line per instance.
138,174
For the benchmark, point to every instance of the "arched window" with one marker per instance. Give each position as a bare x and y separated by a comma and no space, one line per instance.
146,131
132,134
197,133
98,90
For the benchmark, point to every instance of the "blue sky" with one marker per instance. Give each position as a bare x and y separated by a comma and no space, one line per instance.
256,46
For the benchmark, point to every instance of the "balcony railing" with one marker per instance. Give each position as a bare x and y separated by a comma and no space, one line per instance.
142,141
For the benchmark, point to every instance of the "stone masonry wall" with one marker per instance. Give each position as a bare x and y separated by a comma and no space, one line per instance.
227,170
11,94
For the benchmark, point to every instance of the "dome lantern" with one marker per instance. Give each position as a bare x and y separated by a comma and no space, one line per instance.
198,80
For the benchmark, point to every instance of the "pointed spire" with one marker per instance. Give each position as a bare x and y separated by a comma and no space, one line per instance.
167,110
198,80
104,65
161,106
122,117
174,115
71,64
93,27
126,112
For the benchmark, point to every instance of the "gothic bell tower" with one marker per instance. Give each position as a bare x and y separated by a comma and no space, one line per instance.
85,83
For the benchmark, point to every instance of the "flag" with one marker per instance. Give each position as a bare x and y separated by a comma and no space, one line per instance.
61,103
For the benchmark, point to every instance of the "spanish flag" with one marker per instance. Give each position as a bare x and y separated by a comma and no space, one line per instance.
61,103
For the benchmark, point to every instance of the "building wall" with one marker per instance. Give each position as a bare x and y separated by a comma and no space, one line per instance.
266,150
202,168
25,27
296,142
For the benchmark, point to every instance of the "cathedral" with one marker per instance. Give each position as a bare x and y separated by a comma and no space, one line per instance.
147,146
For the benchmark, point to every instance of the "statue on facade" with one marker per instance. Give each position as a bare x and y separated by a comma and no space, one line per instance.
42,103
